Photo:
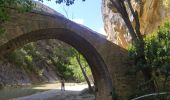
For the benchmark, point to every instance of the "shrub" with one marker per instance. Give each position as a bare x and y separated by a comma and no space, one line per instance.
157,54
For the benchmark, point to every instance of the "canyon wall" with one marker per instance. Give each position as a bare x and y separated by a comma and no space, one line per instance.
152,13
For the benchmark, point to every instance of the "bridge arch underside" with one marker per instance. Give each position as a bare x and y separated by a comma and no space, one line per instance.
96,63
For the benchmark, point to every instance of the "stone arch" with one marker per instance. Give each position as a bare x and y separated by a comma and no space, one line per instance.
98,67
42,22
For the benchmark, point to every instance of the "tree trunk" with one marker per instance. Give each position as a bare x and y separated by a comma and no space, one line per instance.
137,38
147,72
84,73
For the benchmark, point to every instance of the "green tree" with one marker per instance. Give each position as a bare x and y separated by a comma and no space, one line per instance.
67,2
61,60
157,55
69,63
20,5
83,69
137,39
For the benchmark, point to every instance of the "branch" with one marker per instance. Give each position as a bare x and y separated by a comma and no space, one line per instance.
84,73
136,18
116,5
120,6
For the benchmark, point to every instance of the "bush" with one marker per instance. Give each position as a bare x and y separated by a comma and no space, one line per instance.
16,57
157,54
157,49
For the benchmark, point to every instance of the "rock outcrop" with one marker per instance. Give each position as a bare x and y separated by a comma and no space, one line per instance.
15,72
151,13
12,75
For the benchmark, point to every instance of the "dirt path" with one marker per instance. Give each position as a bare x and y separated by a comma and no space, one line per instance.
72,92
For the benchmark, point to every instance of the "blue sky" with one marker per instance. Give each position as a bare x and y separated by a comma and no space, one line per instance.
87,13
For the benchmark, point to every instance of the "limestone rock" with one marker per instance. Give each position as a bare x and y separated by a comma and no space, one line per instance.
151,13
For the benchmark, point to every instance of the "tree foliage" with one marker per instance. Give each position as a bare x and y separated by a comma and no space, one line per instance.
65,60
157,54
157,49
62,58
137,38
67,2
19,5
76,67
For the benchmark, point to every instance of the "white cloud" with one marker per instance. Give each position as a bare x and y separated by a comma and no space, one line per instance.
79,21
102,31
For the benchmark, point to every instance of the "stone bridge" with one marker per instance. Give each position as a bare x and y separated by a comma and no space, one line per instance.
107,60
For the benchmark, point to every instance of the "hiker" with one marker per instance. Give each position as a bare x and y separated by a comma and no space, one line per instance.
62,85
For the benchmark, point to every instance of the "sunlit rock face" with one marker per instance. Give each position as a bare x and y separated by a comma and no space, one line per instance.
151,14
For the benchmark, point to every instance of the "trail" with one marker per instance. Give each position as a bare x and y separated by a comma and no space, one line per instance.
72,92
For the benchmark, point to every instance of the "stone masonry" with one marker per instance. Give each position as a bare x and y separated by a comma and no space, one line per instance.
107,60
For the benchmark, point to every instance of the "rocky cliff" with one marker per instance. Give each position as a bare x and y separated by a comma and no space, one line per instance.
151,13
30,64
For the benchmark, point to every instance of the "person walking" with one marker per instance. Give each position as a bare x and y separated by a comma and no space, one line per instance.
62,85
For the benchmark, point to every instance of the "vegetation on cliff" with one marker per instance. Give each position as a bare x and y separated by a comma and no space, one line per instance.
19,5
62,59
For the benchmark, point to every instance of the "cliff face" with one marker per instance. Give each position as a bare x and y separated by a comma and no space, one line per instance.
151,13
30,64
